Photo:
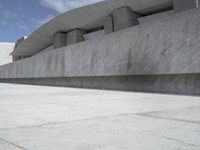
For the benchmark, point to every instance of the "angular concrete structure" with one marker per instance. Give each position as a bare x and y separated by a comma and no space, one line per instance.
182,5
114,44
123,18
108,25
59,40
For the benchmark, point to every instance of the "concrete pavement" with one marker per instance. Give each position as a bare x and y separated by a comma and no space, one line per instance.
54,118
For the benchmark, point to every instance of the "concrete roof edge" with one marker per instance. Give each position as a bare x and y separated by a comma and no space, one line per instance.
42,37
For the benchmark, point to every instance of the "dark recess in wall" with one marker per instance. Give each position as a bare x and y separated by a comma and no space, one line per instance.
187,84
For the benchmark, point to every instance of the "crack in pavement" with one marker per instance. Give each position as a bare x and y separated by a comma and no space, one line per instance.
102,117
181,141
151,115
171,119
146,114
13,144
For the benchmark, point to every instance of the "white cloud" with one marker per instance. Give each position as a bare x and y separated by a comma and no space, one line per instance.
43,20
46,19
65,5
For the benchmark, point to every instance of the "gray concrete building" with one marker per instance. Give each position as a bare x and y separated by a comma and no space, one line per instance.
145,45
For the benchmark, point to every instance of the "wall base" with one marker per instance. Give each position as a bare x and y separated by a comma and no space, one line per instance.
188,84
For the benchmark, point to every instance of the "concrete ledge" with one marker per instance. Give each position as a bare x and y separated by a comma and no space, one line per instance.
188,84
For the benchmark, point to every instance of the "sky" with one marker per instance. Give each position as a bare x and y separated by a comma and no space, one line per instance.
20,18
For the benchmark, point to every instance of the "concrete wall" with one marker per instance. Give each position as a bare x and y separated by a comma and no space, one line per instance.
5,50
47,49
161,54
164,43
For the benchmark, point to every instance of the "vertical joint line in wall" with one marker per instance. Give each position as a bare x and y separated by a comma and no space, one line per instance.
197,2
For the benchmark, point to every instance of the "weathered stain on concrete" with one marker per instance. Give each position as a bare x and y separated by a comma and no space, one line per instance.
177,84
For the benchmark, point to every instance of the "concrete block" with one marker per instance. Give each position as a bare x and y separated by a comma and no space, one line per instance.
75,36
123,18
59,40
182,5
108,25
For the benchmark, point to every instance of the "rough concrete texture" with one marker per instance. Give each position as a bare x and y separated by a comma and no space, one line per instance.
5,50
177,84
75,36
59,40
165,43
50,118
182,5
47,49
123,18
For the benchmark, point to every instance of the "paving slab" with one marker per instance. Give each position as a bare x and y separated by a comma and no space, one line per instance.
49,118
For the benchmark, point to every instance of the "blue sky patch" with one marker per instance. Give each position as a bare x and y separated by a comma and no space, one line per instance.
21,17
